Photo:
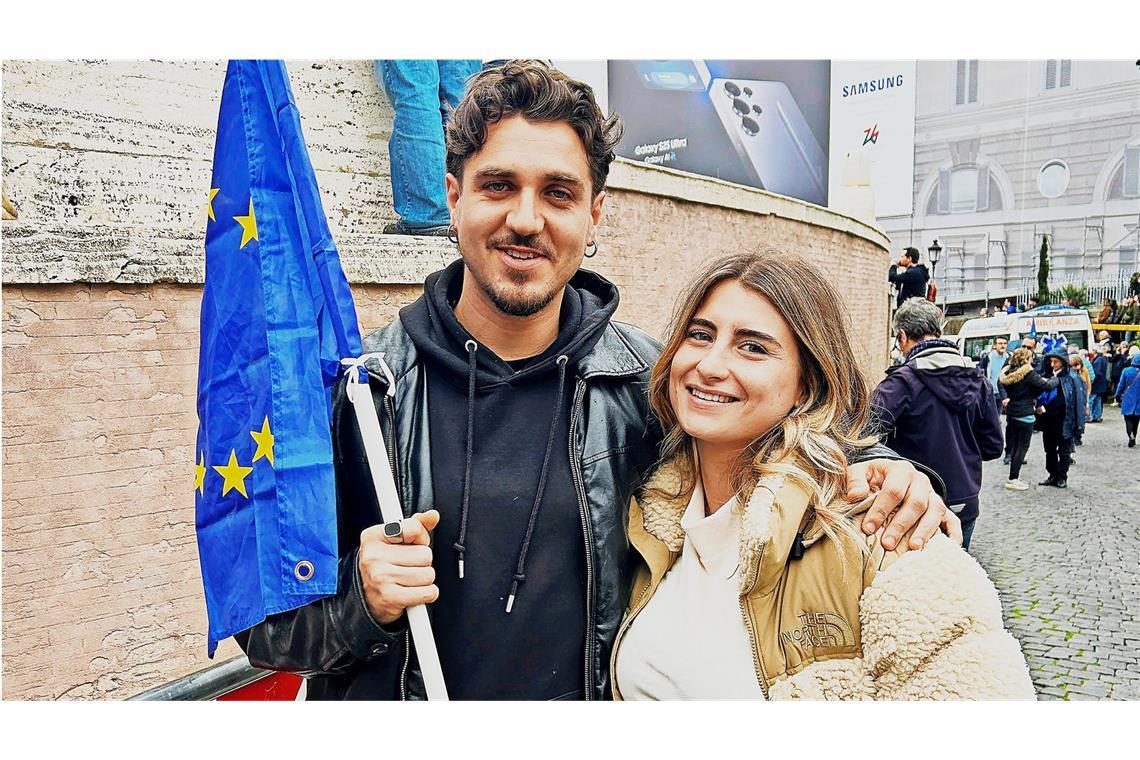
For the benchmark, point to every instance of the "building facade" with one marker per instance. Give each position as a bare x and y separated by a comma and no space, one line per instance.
1008,151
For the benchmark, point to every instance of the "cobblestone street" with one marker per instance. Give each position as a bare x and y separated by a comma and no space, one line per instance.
1067,565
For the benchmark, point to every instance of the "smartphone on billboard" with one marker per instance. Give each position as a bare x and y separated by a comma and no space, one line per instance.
779,151
686,76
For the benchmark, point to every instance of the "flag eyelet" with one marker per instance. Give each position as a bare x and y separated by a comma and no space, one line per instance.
304,570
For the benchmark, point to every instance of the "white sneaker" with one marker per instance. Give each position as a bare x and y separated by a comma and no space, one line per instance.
1017,485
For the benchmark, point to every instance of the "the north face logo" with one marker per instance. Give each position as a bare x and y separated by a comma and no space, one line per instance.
820,629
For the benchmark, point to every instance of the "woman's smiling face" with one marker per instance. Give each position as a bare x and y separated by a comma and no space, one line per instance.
737,372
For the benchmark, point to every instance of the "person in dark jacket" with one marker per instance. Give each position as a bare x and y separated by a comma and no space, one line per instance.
1063,416
517,423
1021,385
936,408
909,276
1100,387
1119,361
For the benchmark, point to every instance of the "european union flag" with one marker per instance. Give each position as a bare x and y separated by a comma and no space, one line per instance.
277,317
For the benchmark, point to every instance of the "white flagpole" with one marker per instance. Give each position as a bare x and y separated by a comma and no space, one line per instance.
360,394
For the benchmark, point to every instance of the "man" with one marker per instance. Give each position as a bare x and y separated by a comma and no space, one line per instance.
992,364
995,361
518,427
1063,418
1033,304
909,276
1099,375
938,410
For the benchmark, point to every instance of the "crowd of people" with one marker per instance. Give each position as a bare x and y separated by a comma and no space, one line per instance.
938,408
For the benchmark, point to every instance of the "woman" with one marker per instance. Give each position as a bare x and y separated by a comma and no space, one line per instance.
753,580
1077,367
1105,311
1022,385
1128,394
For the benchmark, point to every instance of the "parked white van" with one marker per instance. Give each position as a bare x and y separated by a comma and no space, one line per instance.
1053,322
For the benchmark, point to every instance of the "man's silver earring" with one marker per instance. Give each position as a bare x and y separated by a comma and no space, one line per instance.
591,253
452,234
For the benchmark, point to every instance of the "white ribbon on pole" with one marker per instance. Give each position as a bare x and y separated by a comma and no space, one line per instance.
360,394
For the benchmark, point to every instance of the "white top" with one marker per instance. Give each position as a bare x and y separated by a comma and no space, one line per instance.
690,640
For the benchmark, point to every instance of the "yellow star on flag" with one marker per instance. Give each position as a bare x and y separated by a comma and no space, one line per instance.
248,226
234,475
264,441
210,203
200,475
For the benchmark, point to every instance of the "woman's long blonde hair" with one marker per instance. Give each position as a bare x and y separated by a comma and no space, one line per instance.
810,446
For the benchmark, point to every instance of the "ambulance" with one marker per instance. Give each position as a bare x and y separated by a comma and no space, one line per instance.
1053,325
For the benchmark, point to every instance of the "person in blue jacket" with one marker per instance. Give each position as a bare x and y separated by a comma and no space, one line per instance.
1128,395
1100,387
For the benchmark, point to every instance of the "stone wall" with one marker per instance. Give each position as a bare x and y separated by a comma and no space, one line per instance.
107,166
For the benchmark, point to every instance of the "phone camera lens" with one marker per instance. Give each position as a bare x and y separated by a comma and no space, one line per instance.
740,107
748,91
751,128
757,110
732,89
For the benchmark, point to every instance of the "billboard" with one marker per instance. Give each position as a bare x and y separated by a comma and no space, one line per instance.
758,123
872,137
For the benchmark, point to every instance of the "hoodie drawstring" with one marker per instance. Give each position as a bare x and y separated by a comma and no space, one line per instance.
460,545
471,347
520,568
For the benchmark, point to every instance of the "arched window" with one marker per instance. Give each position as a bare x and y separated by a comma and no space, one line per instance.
964,190
1125,182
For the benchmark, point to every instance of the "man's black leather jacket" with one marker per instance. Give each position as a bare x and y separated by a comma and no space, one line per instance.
612,448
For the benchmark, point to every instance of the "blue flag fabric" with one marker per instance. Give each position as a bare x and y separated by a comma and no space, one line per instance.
277,317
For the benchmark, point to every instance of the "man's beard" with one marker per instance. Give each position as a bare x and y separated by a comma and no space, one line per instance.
512,303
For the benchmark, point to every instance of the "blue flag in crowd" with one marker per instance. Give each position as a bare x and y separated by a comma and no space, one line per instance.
277,317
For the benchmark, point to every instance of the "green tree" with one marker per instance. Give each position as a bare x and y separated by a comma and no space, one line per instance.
1043,272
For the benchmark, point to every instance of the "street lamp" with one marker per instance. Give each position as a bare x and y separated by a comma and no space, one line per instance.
935,253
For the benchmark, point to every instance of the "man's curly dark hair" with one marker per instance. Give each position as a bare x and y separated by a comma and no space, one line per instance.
537,92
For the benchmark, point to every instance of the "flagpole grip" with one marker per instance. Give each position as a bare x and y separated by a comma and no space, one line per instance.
377,453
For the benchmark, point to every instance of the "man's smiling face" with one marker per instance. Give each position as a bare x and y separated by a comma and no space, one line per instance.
524,213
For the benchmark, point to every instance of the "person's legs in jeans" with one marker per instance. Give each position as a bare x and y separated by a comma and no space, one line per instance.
416,147
967,531
453,76
1096,402
1022,435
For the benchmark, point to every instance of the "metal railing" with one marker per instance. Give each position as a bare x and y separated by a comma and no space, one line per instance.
206,684
1096,290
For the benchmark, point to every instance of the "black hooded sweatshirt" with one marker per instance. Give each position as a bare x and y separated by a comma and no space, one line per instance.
500,439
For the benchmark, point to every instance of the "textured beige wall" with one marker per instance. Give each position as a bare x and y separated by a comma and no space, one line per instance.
101,591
